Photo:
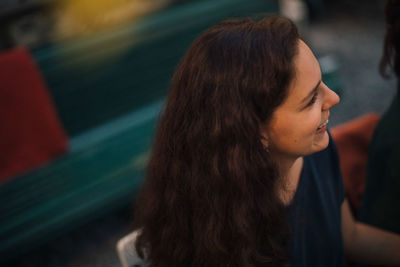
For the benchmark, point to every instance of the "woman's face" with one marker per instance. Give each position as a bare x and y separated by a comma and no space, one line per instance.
298,125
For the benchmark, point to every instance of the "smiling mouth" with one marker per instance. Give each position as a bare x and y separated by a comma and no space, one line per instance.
322,125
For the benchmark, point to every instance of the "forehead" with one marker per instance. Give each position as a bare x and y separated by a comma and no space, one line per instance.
307,73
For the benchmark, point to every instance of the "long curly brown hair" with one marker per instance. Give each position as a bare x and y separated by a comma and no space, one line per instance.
210,193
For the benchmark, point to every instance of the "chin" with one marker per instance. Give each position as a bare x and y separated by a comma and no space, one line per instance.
321,143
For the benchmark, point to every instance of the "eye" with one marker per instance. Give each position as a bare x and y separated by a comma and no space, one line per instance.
313,99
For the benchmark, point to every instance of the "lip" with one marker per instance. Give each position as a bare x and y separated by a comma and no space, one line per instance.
322,129
323,126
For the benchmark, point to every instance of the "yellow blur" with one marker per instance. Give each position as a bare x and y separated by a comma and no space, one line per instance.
84,17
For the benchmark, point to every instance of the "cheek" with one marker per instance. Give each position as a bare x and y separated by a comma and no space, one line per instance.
313,120
295,131
306,126
290,131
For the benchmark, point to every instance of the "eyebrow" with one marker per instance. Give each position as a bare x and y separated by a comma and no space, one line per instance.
312,92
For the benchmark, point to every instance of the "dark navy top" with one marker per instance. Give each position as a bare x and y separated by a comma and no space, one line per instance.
314,215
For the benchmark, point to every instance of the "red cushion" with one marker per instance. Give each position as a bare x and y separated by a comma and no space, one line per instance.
31,133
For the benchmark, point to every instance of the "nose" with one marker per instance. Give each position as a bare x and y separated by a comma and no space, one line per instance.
330,98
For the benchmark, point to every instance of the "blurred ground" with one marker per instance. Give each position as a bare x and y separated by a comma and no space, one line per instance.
349,31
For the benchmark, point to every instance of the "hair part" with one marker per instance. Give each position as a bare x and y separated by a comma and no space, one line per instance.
209,197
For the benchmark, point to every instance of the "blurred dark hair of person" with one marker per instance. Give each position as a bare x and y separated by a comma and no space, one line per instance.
391,56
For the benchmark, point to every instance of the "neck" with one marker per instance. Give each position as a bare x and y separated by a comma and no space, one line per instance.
289,171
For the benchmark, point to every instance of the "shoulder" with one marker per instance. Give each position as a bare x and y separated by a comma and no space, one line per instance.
384,148
386,136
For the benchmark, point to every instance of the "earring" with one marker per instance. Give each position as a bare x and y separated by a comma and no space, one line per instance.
266,149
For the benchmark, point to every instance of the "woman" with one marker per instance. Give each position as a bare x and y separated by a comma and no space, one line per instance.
230,181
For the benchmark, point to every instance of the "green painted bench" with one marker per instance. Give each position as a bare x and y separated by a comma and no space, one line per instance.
110,110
